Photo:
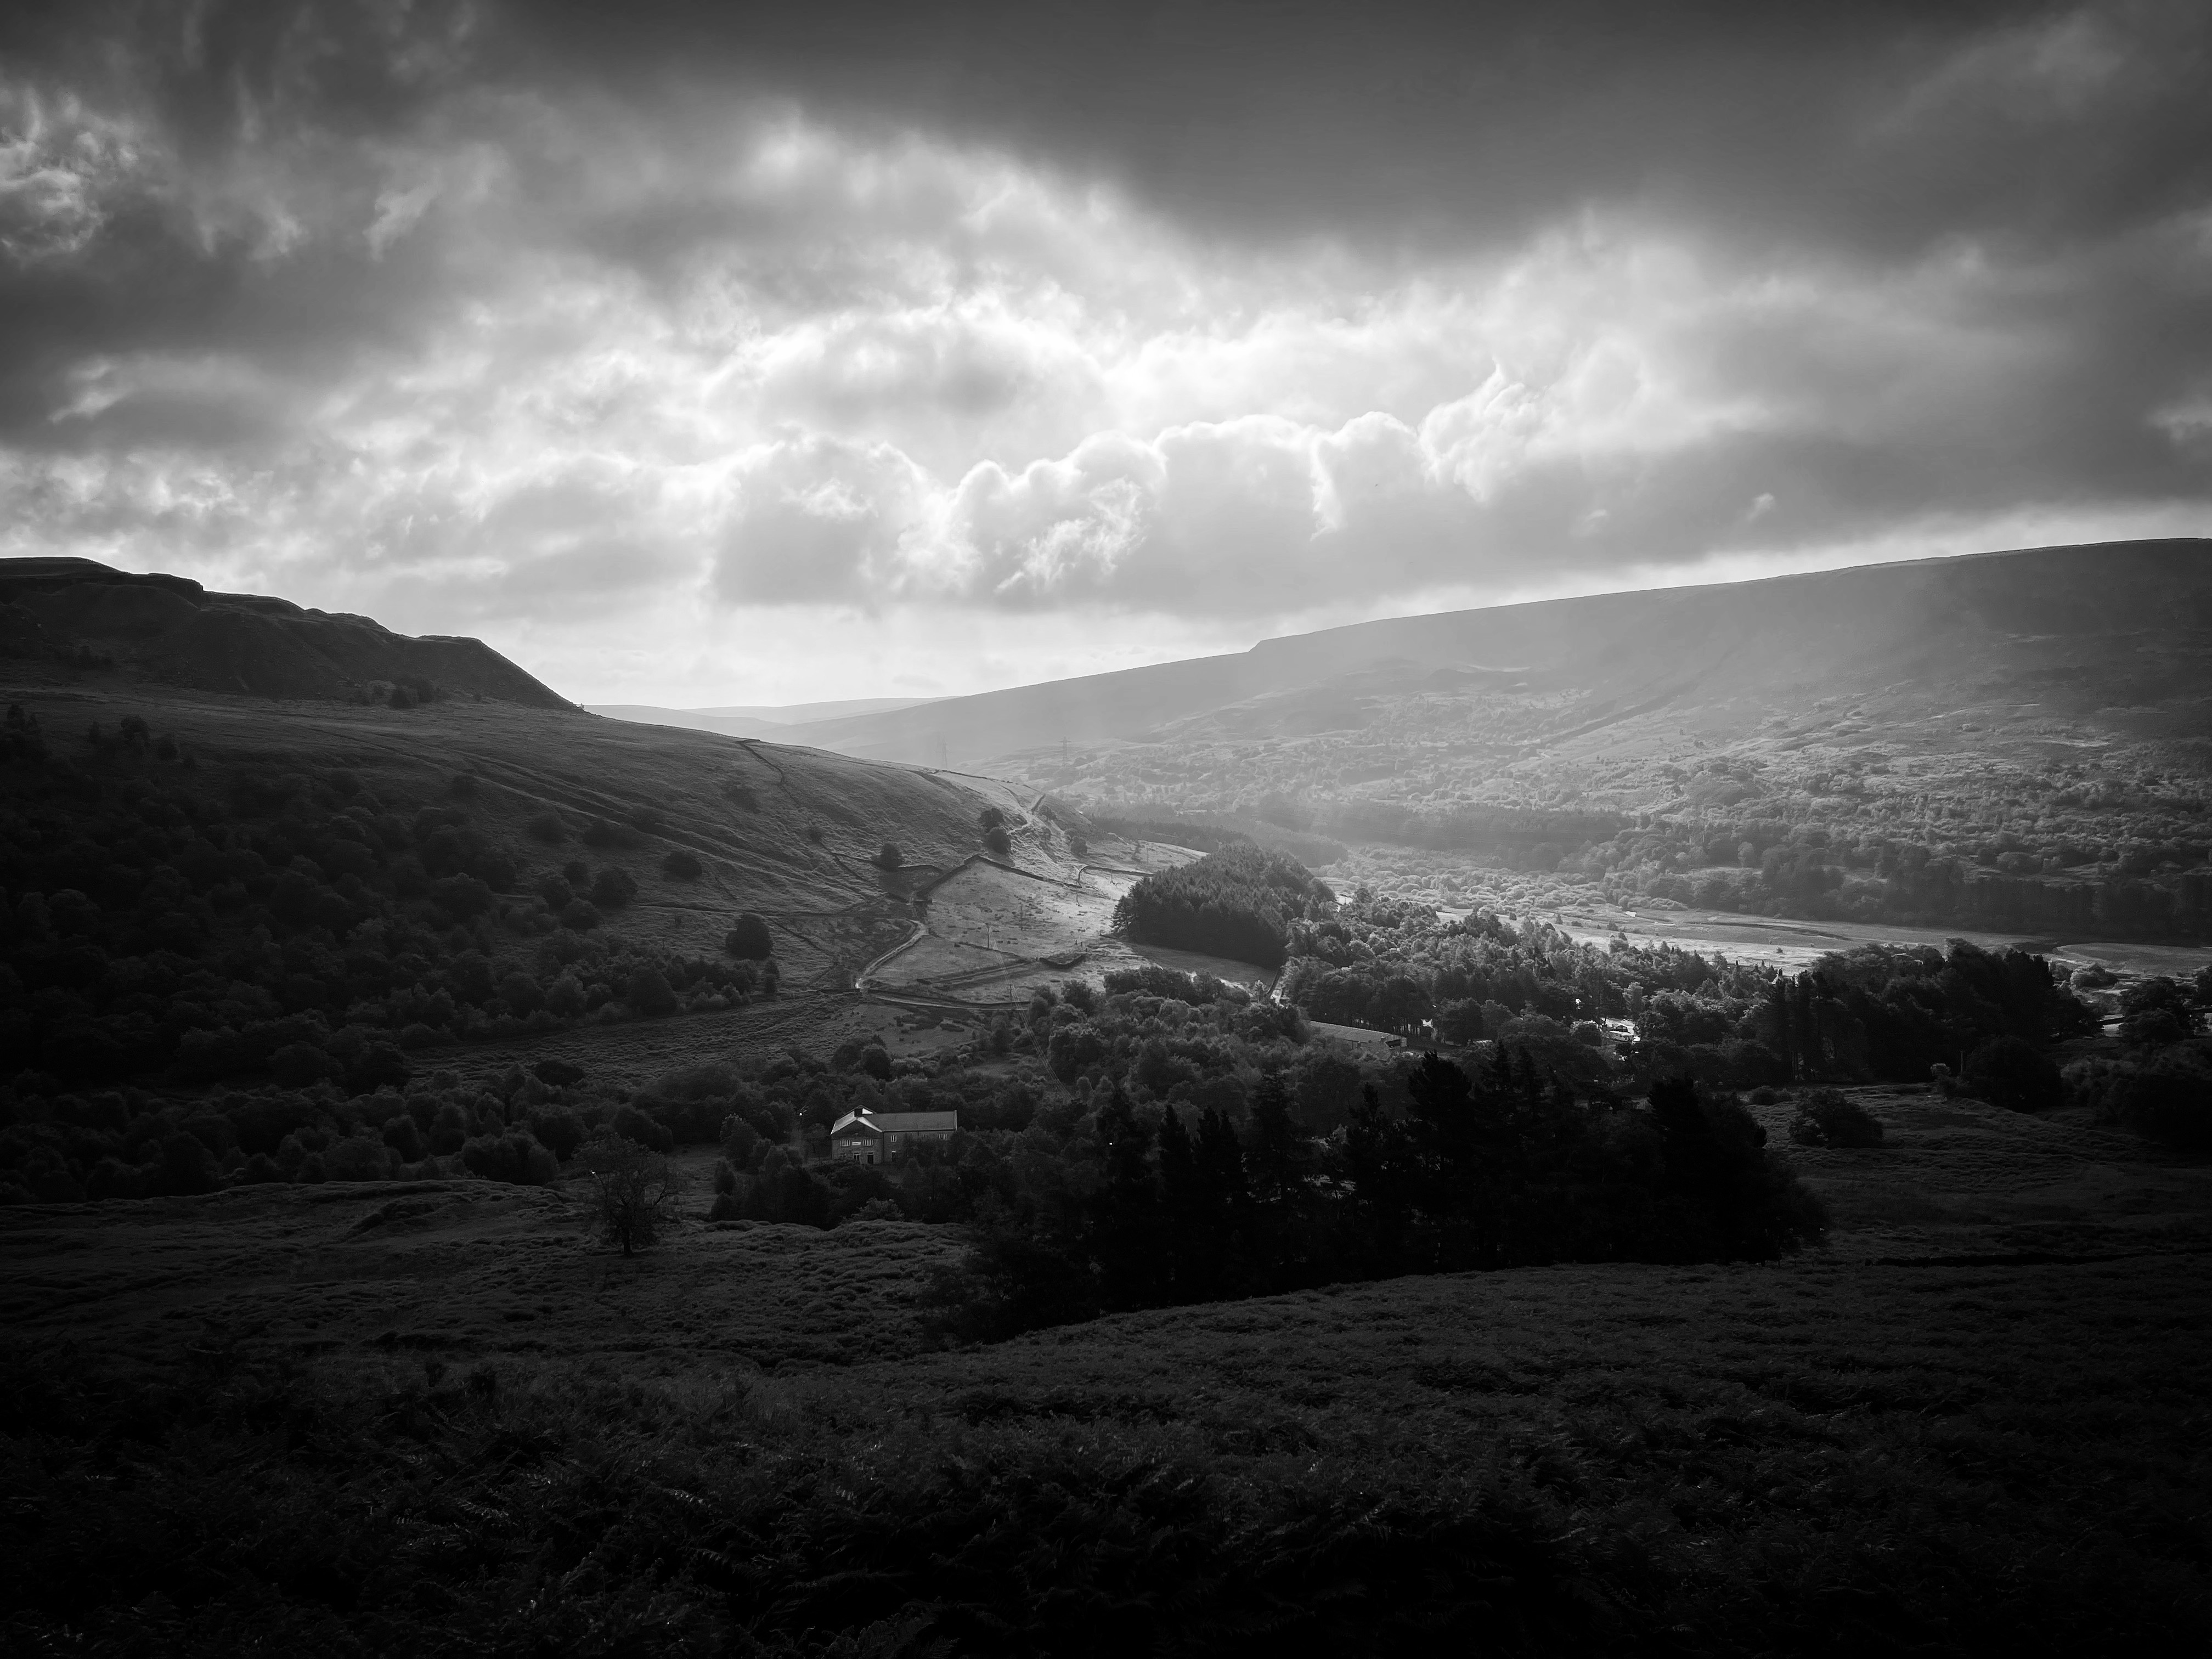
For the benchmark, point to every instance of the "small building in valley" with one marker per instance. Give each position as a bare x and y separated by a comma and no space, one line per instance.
876,1137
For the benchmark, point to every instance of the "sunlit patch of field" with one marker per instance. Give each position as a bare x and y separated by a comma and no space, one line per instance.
991,935
1226,968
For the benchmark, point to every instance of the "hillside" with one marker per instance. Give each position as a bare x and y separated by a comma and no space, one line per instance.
196,877
68,619
1717,659
2011,740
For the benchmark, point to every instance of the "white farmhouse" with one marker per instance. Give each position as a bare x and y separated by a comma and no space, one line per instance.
875,1136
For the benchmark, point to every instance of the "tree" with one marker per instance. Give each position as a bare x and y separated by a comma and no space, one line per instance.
749,938
888,857
613,887
635,1189
682,865
998,839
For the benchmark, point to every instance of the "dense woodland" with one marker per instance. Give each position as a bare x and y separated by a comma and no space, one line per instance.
1236,902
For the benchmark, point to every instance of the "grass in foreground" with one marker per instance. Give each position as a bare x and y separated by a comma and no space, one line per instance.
1803,1458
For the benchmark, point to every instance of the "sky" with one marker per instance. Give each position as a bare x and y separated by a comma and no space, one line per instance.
715,354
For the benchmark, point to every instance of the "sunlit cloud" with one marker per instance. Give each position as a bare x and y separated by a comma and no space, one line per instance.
589,373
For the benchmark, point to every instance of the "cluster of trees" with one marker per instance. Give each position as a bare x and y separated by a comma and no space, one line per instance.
2142,885
2160,1081
67,1147
1237,902
1182,1141
153,920
1132,1206
1879,1012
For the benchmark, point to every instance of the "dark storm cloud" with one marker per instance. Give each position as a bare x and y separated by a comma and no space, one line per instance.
1869,125
1223,310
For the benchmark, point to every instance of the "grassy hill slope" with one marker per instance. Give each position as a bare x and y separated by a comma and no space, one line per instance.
333,859
2108,626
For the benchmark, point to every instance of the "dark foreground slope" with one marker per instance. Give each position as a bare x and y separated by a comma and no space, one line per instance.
80,617
433,1418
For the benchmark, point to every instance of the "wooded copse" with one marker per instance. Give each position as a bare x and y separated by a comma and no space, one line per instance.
1235,902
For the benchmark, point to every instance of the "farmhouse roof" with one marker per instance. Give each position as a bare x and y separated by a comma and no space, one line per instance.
897,1123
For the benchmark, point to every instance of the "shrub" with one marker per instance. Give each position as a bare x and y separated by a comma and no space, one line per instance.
612,889
521,992
650,993
357,1159
748,938
449,1129
1827,1118
513,1158
682,865
296,1065
998,839
2155,1013
566,996
559,1131
2167,1097
464,896
888,856
547,827
377,1066
557,1073
2013,1074
991,817
632,1125
814,833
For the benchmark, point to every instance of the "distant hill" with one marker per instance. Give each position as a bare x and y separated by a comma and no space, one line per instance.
77,617
2018,741
1716,655
767,720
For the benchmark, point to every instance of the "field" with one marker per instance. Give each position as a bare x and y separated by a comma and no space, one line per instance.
991,934
1976,1415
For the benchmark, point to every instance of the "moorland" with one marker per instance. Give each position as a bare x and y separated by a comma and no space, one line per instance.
419,1233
